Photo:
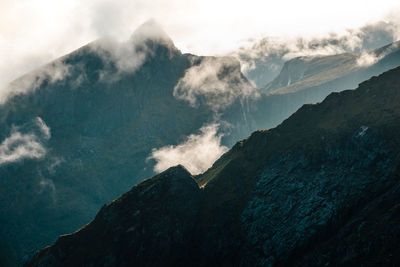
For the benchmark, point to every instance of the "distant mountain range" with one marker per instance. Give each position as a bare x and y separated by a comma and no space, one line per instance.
310,79
263,59
79,131
322,188
338,70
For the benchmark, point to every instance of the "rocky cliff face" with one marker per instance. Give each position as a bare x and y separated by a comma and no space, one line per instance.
319,189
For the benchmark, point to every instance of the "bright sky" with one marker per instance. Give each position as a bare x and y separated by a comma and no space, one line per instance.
33,32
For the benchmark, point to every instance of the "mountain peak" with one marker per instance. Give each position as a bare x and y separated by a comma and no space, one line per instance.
151,30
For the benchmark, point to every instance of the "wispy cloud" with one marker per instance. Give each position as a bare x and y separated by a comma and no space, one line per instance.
51,73
54,163
368,58
268,54
197,153
216,81
44,129
128,56
21,145
59,27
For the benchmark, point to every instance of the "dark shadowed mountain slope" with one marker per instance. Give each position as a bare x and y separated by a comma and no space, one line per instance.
151,224
77,133
319,189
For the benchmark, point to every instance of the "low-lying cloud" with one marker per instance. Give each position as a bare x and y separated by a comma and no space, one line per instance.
20,145
262,59
201,27
216,81
369,58
197,153
51,73
128,56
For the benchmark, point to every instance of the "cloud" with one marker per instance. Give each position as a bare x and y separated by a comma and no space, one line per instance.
43,128
20,145
54,163
368,58
197,153
128,56
262,58
59,27
47,185
52,72
217,81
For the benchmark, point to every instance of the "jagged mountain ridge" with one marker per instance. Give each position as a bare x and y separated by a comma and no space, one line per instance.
274,197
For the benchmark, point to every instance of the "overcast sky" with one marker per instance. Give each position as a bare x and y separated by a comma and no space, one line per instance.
33,32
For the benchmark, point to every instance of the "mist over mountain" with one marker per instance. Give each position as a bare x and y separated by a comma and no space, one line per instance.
321,188
310,79
263,59
306,72
80,131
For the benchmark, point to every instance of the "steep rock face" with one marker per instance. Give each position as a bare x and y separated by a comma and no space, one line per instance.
296,199
147,226
298,193
368,238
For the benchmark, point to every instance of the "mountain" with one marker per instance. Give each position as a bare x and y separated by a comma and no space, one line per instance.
310,79
263,59
319,189
308,72
158,216
311,70
78,132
